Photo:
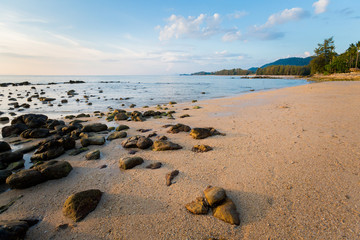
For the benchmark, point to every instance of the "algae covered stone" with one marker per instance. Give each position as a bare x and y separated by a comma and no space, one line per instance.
24,179
54,169
80,204
130,162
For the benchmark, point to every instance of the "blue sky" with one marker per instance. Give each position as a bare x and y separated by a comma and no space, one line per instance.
87,37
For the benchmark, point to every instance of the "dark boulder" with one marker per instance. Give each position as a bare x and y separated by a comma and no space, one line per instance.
9,157
137,142
15,129
4,147
35,133
95,127
54,169
25,178
4,174
201,133
179,128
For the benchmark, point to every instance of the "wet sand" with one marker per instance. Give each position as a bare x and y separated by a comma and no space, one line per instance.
289,161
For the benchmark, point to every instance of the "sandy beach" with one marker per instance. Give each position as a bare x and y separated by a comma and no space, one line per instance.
289,161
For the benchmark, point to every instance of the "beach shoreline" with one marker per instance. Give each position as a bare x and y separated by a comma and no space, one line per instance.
289,162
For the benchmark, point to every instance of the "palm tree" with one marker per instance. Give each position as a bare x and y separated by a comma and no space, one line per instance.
357,53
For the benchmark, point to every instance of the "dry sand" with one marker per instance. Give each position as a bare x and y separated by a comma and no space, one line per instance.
290,162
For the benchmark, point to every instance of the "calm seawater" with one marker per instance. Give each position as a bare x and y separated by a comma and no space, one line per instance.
141,90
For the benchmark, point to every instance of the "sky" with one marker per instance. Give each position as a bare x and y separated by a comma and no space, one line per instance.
158,37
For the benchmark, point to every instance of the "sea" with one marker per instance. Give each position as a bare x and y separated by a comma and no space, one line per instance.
99,93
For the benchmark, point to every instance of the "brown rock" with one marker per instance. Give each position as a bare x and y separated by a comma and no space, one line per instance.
214,195
201,148
227,212
199,206
154,165
162,145
170,176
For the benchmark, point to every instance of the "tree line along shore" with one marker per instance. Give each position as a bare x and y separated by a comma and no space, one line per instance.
326,65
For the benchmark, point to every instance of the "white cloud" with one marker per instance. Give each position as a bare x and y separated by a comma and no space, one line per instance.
307,54
285,16
320,6
232,36
267,32
202,26
238,14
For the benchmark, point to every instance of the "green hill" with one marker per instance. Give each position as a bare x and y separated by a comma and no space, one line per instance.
293,61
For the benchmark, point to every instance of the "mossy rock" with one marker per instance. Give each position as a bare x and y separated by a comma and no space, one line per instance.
80,204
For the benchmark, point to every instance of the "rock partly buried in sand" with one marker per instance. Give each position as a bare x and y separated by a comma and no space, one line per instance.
4,147
121,127
25,178
121,116
201,148
54,169
199,206
154,165
200,133
95,127
116,135
214,195
130,162
170,176
93,155
162,145
78,151
15,229
35,133
179,128
4,174
80,204
95,140
137,142
227,212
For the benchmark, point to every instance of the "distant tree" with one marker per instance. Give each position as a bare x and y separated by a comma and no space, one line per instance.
357,53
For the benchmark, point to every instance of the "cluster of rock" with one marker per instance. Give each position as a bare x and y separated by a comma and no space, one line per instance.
222,206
